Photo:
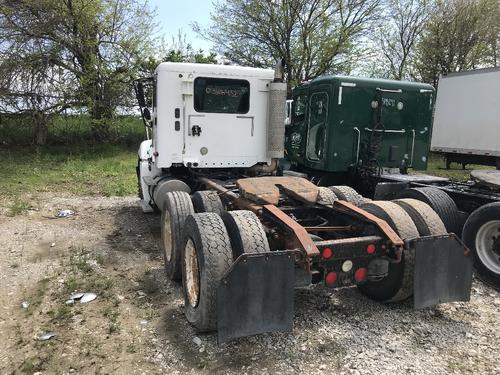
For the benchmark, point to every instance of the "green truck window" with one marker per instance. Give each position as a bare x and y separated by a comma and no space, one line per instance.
218,95
318,116
299,107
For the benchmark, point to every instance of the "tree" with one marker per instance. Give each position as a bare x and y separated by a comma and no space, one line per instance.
31,88
312,37
460,35
95,44
399,32
178,50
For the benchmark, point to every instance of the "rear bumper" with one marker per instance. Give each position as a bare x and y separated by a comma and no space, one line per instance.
256,293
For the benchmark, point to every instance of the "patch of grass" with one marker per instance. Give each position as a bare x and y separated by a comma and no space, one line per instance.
112,313
80,169
436,166
36,296
89,345
30,366
80,262
70,129
18,206
61,315
101,285
45,352
131,348
20,339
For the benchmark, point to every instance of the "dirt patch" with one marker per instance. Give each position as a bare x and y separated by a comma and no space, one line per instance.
137,324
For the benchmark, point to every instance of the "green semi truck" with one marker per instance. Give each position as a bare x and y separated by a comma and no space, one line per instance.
366,134
340,123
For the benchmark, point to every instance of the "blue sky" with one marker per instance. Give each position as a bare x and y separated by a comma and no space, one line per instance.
175,15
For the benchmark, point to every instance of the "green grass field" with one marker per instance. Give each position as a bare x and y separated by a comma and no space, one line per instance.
107,170
436,167
70,130
81,170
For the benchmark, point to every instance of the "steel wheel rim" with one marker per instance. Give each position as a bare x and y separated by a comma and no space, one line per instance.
192,274
167,236
485,238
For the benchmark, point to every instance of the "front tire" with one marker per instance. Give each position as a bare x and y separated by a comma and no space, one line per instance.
481,234
206,256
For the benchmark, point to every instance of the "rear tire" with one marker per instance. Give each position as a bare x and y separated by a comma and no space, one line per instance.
326,196
246,232
176,209
206,256
426,220
207,201
440,202
482,235
398,284
347,193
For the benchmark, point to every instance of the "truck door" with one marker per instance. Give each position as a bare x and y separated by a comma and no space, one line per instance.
221,126
317,126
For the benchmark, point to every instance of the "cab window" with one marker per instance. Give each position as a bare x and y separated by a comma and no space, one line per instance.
299,107
318,115
219,95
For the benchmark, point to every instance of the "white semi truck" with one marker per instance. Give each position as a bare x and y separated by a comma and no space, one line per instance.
467,117
240,237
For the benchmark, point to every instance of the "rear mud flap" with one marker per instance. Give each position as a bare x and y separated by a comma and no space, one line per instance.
443,270
256,295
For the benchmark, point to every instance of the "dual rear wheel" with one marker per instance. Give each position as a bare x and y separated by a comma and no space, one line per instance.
210,245
200,241
409,218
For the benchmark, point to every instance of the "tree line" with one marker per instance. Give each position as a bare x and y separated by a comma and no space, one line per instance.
82,55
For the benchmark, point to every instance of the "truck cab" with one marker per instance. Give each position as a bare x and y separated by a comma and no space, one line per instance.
204,106
338,123
204,116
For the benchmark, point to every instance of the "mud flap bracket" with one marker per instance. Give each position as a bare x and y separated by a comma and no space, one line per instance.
443,270
256,295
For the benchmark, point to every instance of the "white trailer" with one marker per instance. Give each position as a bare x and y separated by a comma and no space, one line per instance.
467,117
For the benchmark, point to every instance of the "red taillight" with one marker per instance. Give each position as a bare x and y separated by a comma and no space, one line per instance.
327,253
360,274
331,278
370,249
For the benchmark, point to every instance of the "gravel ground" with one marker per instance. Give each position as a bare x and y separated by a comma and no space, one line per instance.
137,325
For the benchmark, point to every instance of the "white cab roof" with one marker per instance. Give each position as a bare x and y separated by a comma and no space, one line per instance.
213,69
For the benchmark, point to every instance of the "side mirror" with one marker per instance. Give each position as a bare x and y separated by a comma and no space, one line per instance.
139,93
146,113
288,119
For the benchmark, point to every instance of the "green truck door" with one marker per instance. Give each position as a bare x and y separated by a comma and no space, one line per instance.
317,126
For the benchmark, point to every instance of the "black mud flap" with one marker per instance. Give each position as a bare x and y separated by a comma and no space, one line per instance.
256,295
443,270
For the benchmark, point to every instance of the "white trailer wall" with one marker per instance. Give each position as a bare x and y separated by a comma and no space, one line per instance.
467,113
